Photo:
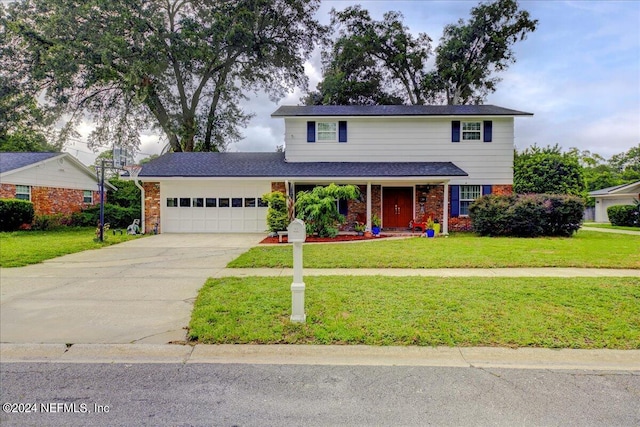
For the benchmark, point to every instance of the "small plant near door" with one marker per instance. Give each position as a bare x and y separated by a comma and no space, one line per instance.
375,224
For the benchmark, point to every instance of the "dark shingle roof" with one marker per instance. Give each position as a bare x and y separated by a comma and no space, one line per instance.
12,161
273,165
394,110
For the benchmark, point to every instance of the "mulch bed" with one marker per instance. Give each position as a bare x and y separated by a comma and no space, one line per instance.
316,239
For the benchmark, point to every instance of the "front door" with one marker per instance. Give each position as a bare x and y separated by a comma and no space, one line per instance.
397,206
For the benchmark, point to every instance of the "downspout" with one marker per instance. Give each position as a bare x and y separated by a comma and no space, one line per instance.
142,205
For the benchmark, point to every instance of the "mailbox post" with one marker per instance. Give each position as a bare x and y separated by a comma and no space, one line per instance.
297,235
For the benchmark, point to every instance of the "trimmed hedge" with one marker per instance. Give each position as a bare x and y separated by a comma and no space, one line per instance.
14,213
624,215
527,215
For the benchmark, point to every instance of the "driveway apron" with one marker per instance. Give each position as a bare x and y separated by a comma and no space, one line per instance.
141,291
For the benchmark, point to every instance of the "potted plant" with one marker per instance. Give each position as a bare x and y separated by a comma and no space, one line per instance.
359,228
436,226
375,224
430,232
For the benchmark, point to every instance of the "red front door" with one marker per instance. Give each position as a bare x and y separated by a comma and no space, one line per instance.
397,206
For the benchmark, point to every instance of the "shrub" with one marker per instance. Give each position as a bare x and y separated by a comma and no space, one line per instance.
319,210
52,222
277,216
116,216
491,213
529,215
624,215
14,213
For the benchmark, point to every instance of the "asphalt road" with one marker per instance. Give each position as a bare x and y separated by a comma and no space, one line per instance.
304,395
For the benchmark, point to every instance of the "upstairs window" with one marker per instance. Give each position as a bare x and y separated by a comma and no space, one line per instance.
327,131
471,131
23,192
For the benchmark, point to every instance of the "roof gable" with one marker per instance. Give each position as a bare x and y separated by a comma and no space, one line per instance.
394,110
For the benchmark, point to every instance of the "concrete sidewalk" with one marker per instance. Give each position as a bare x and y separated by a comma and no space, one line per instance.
433,272
586,227
361,355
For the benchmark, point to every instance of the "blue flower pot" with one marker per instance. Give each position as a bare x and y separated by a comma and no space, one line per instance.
431,233
375,230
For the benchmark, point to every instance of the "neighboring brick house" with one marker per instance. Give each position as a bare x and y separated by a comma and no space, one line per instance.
410,163
56,183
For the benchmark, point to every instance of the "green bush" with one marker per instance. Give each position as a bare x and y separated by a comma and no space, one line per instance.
624,215
527,215
116,216
14,213
277,216
52,222
319,210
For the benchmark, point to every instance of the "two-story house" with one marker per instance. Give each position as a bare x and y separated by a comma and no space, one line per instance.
410,163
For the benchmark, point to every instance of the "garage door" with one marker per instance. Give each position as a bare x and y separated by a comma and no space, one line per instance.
221,207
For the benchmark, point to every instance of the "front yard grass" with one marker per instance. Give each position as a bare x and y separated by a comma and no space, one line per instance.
462,250
20,248
530,312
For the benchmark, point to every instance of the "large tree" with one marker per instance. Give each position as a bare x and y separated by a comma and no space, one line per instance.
378,62
548,170
180,66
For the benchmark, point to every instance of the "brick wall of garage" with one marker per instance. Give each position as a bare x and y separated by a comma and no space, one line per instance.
151,206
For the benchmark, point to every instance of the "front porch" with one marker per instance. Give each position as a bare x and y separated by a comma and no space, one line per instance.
398,204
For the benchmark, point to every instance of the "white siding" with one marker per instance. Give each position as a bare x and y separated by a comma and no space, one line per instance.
210,219
603,203
408,139
57,173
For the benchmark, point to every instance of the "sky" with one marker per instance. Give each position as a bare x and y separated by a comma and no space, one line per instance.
578,73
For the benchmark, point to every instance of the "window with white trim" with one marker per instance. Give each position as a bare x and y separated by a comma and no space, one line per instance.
327,131
468,193
23,192
87,196
471,131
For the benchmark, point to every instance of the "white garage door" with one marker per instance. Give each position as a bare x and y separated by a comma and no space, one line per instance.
205,207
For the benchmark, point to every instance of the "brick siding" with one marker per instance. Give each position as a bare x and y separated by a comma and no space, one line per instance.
53,200
151,206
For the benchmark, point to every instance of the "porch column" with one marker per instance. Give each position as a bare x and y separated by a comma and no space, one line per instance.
369,205
445,209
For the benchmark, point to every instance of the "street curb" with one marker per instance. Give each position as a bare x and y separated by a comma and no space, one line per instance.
356,355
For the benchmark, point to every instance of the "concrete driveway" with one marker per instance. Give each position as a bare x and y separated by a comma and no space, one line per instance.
140,291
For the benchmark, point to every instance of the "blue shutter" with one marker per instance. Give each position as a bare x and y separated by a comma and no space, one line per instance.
342,131
486,189
455,131
455,201
311,131
488,130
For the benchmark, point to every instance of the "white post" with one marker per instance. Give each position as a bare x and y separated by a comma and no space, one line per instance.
445,210
297,235
369,206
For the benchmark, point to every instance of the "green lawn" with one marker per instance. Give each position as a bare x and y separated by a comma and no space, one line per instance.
529,312
585,249
21,248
